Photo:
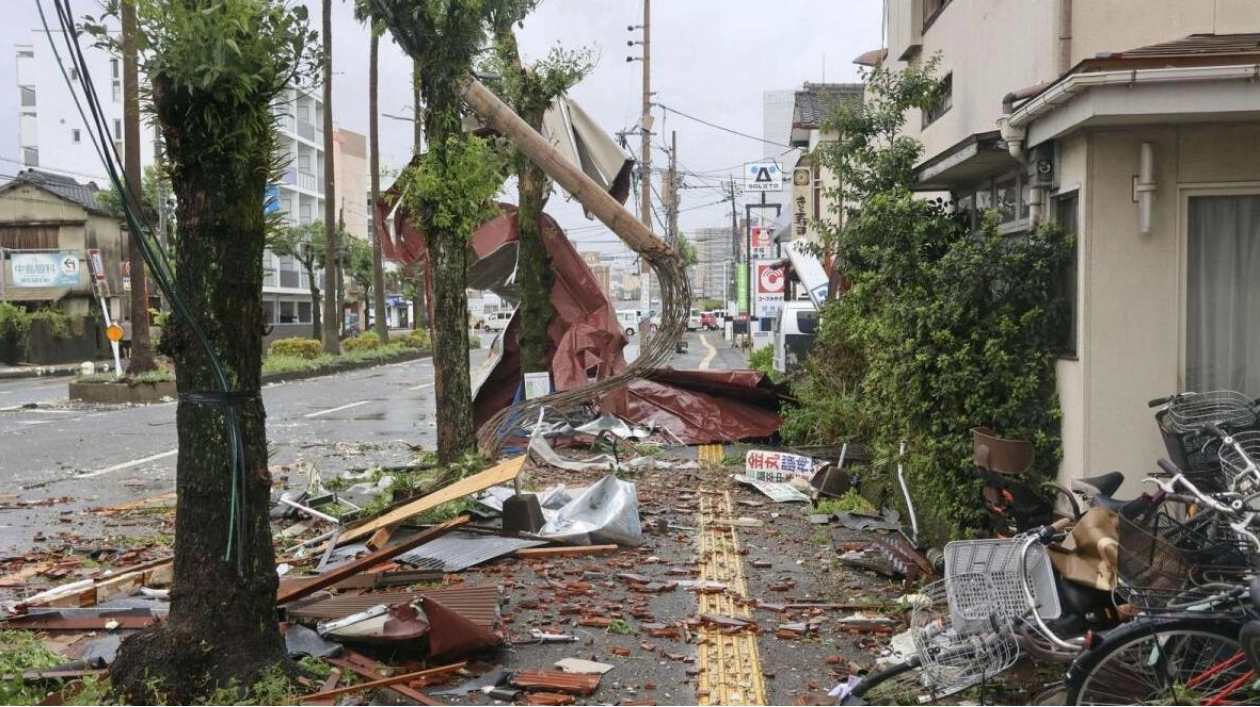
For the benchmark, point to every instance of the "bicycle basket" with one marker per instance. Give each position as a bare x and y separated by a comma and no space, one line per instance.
1242,457
963,641
1190,411
1171,567
1194,453
1000,560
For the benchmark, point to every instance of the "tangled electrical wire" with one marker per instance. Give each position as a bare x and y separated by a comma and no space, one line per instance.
156,258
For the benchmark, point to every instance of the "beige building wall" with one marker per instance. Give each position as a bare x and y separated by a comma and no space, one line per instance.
1119,25
350,162
1132,334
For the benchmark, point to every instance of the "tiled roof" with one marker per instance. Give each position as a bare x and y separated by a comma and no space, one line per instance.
65,187
1195,49
816,101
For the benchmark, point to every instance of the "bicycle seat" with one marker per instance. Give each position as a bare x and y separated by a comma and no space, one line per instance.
1101,485
1106,501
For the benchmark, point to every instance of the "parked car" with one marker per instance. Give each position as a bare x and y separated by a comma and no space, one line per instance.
693,320
629,320
794,333
708,321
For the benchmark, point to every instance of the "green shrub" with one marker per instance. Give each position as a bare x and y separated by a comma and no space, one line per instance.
474,341
299,347
763,360
364,342
14,322
288,363
58,322
418,339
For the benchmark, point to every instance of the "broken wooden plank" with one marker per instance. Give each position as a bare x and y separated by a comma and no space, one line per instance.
403,690
499,474
380,538
566,551
383,682
90,592
368,561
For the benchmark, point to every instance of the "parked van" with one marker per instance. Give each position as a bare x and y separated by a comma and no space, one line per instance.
794,333
498,321
693,320
629,320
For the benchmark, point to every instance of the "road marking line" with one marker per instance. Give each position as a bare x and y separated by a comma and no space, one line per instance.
708,358
338,409
55,412
128,465
711,453
421,386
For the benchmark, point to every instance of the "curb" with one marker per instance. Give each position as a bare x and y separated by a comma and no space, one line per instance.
55,371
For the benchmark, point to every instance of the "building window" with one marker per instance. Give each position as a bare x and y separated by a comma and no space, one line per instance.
26,54
28,96
269,312
117,127
304,162
116,91
289,271
932,8
30,156
1223,294
113,68
74,74
288,313
1065,217
75,136
943,103
304,312
304,214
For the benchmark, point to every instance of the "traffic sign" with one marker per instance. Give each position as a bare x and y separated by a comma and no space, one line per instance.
763,176
114,333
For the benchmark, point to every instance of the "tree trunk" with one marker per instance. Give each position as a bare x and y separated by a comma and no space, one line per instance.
317,321
452,384
374,172
141,349
421,304
222,624
332,308
535,271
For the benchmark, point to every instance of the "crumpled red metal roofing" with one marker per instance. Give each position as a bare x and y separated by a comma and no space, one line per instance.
478,604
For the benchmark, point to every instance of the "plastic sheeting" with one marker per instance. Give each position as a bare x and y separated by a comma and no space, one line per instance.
606,512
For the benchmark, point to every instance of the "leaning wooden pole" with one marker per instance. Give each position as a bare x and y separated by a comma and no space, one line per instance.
665,261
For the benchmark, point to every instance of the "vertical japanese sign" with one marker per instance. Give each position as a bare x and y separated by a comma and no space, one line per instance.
741,287
768,289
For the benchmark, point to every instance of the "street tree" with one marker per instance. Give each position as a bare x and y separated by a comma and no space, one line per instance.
215,67
362,14
306,245
530,89
450,190
332,304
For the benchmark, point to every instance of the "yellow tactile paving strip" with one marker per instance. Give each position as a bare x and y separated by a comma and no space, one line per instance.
710,453
730,666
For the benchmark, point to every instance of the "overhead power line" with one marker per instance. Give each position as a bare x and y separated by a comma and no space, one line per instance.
715,126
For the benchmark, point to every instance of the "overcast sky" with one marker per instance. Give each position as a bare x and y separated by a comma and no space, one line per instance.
712,59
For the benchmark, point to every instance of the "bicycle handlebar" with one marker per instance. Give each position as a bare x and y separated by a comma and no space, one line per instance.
1156,402
1234,509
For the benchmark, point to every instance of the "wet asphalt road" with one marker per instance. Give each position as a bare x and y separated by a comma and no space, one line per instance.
98,455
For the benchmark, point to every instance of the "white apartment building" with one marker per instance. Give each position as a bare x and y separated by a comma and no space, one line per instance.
54,138
1135,124
715,262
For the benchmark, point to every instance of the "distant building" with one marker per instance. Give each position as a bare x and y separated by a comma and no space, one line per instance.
811,180
776,123
714,269
49,224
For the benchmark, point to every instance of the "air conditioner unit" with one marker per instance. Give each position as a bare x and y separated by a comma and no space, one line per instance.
1041,165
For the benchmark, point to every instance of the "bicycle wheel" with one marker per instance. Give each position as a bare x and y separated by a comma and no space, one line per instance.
1183,661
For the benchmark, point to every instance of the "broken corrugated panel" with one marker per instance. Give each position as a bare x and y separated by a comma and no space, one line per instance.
460,550
571,683
453,634
478,604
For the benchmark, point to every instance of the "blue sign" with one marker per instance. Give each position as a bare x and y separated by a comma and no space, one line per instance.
45,269
271,200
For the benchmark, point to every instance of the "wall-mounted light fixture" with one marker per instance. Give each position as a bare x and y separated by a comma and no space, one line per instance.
1145,189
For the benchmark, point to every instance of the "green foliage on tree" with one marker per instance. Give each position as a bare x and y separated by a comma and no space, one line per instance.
306,245
155,187
686,250
530,90
943,328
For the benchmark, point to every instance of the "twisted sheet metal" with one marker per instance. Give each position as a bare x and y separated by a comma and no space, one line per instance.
671,272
